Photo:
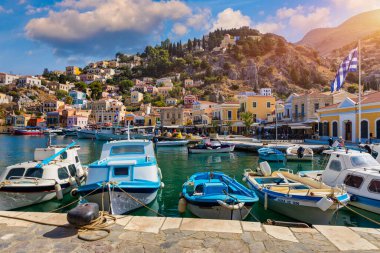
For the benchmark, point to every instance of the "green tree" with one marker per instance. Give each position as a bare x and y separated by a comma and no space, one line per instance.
125,86
69,100
81,86
96,89
353,88
189,45
61,94
248,120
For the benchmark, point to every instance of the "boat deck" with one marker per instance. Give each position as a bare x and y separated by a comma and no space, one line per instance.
160,234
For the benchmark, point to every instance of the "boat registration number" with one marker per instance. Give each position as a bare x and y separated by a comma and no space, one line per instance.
288,202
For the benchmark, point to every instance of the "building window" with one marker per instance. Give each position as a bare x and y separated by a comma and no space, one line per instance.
268,104
316,107
229,115
254,104
303,110
335,129
364,129
296,110
353,181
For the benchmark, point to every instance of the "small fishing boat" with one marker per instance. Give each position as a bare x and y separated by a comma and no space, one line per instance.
172,143
119,133
28,131
207,146
55,171
125,178
86,133
214,195
300,198
53,132
271,154
358,171
299,153
70,131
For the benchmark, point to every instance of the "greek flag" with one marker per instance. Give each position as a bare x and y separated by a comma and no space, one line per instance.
116,116
349,64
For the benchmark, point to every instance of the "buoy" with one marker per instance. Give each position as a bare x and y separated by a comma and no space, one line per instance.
244,179
58,191
162,185
74,192
182,205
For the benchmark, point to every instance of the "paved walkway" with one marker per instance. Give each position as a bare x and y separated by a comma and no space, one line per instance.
153,234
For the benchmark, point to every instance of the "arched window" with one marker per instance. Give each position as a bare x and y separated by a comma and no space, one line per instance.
364,129
326,129
335,129
378,129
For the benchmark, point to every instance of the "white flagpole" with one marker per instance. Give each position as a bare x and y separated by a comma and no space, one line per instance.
360,93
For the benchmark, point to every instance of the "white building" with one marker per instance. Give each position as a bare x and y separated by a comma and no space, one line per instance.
5,99
171,101
6,79
28,82
136,97
106,111
266,92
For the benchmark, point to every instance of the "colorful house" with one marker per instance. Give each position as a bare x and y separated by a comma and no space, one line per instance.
342,119
227,114
261,107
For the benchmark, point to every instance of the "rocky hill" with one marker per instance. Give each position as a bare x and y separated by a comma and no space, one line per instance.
326,40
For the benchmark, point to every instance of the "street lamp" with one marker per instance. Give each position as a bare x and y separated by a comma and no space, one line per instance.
275,115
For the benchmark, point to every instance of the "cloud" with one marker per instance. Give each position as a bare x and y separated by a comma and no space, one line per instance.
102,27
229,18
284,12
269,27
200,20
179,29
356,6
31,10
318,17
6,11
21,2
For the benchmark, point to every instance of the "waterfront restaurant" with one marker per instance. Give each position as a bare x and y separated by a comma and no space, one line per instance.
342,119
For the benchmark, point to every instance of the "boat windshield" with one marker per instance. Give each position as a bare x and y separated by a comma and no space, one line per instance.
363,161
125,150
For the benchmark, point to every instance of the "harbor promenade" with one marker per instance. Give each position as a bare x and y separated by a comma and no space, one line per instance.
158,234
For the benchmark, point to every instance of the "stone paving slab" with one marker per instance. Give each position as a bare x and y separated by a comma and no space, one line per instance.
251,226
282,233
171,223
366,230
304,230
220,226
344,238
145,224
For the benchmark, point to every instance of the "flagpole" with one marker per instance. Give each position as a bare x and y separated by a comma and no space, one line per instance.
360,93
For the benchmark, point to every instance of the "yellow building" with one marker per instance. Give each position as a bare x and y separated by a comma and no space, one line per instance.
228,115
342,119
261,107
72,70
152,119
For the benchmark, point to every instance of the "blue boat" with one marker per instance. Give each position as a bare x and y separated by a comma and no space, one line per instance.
214,195
271,154
125,178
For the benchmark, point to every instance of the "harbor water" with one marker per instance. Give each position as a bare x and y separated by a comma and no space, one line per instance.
176,166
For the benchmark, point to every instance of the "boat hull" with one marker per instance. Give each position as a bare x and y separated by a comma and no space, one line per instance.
10,200
121,202
171,143
85,135
114,137
208,151
364,203
26,132
219,212
296,158
274,157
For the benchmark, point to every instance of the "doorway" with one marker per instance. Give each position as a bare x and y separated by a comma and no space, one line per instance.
348,131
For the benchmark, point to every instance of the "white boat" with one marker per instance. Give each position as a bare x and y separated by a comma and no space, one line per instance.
300,198
358,171
299,153
125,178
86,133
119,133
207,146
55,171
172,143
53,132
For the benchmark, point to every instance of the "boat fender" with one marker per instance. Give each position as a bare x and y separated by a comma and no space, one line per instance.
244,179
231,207
182,205
324,203
74,192
58,191
83,214
159,172
162,185
209,148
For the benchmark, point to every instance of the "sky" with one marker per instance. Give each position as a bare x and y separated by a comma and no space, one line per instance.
38,34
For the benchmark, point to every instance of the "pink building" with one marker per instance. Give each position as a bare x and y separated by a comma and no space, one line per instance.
189,100
77,121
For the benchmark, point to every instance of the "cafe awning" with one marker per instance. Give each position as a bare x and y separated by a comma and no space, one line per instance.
296,127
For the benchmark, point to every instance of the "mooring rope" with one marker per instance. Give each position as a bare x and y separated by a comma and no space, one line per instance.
362,215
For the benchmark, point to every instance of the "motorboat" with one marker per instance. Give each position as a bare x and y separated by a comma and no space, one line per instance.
125,177
207,146
299,153
214,195
86,133
54,172
28,131
373,149
358,171
120,133
70,131
53,132
271,154
172,143
300,198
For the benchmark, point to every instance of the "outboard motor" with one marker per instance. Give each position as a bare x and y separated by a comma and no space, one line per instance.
83,214
300,152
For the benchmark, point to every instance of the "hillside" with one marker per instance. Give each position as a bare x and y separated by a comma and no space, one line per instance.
325,40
